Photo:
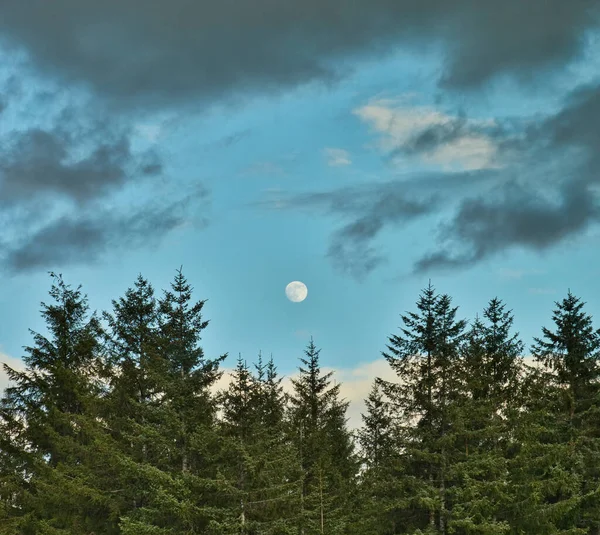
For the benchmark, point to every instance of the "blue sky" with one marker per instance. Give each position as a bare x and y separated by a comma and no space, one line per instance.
362,152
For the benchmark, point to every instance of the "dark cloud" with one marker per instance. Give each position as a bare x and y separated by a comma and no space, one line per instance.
350,249
576,125
435,135
63,190
535,209
38,162
544,193
521,217
87,238
370,209
455,129
156,52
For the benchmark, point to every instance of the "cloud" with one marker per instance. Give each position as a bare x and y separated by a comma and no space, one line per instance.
66,187
230,140
86,238
520,217
432,136
337,157
161,53
539,190
368,209
145,56
549,196
47,163
356,382
14,363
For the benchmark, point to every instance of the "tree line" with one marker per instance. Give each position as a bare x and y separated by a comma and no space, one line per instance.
115,427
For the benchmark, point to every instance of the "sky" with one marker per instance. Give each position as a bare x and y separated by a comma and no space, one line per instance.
362,148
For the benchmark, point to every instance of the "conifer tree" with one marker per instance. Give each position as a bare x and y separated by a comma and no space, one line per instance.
50,438
239,422
379,475
482,418
183,491
325,446
424,358
257,456
188,374
130,407
558,462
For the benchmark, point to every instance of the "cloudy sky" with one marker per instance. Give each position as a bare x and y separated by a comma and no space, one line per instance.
363,148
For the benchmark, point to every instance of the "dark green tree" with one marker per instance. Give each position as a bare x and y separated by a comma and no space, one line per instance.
482,416
558,461
130,407
424,356
56,456
183,492
325,446
258,456
379,478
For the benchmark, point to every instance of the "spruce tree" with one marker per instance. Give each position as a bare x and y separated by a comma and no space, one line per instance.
134,377
277,469
182,490
379,489
325,447
258,458
424,358
56,456
482,417
561,449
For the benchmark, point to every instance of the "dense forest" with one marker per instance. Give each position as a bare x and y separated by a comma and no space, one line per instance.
115,427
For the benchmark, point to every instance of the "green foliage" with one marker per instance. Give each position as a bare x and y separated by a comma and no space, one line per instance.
117,429
326,448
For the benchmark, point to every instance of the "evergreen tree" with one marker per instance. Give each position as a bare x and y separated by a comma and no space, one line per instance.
380,467
325,446
257,456
183,492
560,432
55,475
134,378
239,422
482,417
571,352
424,358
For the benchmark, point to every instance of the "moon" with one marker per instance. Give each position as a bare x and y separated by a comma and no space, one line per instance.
296,291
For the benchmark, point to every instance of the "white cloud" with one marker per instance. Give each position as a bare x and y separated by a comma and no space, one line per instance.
398,123
16,364
356,383
337,157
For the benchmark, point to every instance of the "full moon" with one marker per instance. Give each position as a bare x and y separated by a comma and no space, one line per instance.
296,291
